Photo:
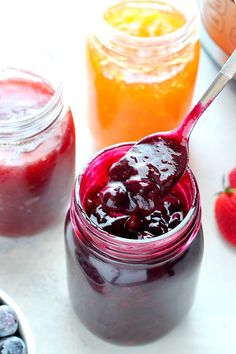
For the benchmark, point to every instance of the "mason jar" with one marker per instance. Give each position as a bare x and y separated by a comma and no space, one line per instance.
37,143
142,59
130,291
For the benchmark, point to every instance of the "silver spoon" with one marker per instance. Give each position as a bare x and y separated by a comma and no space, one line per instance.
154,165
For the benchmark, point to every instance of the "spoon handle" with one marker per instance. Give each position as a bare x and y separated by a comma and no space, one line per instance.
224,76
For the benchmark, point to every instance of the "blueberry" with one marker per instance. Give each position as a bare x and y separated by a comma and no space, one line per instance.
8,321
133,223
12,345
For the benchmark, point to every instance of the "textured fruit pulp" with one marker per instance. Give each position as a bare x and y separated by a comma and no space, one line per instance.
126,103
35,176
127,201
150,216
143,176
163,219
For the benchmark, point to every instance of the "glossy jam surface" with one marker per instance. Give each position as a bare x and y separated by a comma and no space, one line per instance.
146,173
164,218
131,203
37,174
139,21
129,96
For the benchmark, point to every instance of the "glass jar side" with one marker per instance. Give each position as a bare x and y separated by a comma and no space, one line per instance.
37,143
36,178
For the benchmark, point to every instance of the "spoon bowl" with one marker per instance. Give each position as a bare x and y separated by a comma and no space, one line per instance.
155,164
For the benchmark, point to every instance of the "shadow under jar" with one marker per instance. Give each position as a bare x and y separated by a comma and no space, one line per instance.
131,291
142,60
37,143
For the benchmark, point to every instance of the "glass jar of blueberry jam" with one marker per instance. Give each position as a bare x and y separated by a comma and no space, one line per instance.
37,143
132,284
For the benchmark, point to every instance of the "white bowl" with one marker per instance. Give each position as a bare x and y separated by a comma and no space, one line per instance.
24,329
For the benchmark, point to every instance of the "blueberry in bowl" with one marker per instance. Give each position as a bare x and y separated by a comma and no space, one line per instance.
15,333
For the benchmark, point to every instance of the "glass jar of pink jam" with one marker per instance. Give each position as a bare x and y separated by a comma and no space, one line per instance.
37,143
130,291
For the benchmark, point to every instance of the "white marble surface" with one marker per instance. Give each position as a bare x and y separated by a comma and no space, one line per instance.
32,270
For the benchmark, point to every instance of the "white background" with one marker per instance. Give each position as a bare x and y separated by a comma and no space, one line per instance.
32,270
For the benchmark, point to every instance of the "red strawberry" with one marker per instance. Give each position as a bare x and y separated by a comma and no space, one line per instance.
232,178
225,212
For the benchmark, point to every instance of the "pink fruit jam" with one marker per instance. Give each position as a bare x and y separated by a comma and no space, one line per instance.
37,171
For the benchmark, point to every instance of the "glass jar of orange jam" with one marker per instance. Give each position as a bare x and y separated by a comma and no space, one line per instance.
142,64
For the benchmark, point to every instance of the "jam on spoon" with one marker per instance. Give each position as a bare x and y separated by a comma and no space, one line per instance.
153,166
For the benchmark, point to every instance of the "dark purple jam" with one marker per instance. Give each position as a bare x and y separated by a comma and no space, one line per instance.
127,303
126,291
168,214
133,202
143,176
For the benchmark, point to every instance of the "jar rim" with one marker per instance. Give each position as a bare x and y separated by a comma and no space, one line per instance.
15,129
113,239
182,34
47,107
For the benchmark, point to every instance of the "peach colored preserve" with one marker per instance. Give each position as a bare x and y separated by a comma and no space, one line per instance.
126,101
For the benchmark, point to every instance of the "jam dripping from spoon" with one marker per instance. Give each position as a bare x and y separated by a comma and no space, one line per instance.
154,165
